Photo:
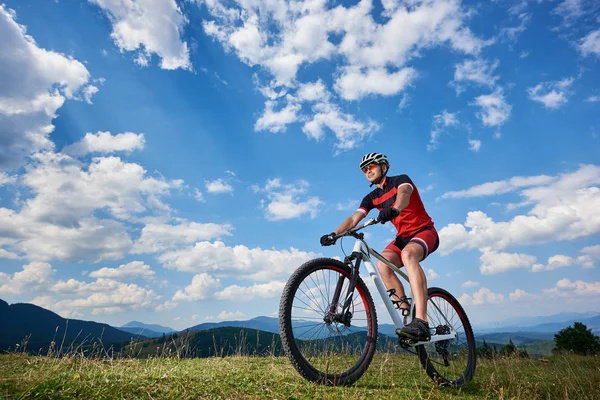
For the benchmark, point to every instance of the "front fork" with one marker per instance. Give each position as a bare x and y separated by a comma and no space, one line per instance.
345,315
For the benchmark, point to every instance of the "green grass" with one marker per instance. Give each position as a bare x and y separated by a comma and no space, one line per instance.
389,376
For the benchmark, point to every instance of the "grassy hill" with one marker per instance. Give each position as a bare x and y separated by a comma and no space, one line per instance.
389,376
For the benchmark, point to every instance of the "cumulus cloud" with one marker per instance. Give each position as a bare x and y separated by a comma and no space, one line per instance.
105,142
497,262
522,295
218,186
590,44
34,276
276,121
440,122
287,201
590,255
562,209
227,316
500,187
355,83
156,237
59,219
554,262
202,287
551,94
222,260
495,111
149,27
567,288
35,83
469,284
482,296
477,71
348,131
134,269
282,37
263,290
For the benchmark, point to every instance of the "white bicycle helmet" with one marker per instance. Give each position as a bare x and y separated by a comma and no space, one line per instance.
376,158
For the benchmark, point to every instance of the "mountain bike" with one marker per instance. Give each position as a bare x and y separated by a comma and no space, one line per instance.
328,321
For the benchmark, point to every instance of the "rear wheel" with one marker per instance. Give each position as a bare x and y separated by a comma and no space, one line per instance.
449,362
323,345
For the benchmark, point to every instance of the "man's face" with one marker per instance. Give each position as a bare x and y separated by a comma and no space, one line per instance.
373,172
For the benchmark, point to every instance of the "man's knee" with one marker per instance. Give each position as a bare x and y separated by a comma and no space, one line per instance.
412,253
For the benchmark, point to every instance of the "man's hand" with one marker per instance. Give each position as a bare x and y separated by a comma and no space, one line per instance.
388,214
328,240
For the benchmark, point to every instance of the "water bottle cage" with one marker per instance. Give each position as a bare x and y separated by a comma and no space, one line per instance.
398,303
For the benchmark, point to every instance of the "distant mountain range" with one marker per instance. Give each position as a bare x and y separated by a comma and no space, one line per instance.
148,330
41,326
21,320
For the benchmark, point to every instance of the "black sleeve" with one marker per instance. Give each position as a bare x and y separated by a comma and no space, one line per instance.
366,204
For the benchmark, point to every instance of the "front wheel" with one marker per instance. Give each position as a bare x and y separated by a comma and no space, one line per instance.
448,362
324,344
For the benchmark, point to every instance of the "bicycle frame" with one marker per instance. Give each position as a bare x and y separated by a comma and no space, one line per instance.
362,253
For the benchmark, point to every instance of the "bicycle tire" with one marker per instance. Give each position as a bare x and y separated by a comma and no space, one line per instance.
307,364
431,355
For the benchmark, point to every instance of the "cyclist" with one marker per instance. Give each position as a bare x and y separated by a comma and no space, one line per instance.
398,201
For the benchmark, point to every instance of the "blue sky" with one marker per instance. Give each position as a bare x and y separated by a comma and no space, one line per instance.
174,161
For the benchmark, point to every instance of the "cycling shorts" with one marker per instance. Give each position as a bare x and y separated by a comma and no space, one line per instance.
426,237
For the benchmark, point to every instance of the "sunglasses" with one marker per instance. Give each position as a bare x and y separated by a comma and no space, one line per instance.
369,167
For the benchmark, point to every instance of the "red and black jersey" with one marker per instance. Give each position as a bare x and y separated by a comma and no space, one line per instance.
412,218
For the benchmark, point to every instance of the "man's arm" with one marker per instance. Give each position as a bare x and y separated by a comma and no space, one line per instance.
403,197
350,222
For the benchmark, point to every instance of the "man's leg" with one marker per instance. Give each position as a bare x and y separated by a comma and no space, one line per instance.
412,254
388,276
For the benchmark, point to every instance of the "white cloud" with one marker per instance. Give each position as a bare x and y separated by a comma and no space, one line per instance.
288,201
245,293
554,262
105,142
227,316
567,288
157,237
149,27
440,122
590,44
482,296
202,287
551,94
281,37
589,257
59,221
474,145
593,99
500,187
495,111
133,269
496,262
166,306
478,71
218,186
562,210
34,276
354,83
99,297
469,284
431,274
35,83
348,131
277,121
520,294
255,263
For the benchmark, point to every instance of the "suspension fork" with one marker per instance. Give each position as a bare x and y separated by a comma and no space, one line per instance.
355,268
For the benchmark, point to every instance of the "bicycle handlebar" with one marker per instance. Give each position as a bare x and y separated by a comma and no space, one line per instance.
351,231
